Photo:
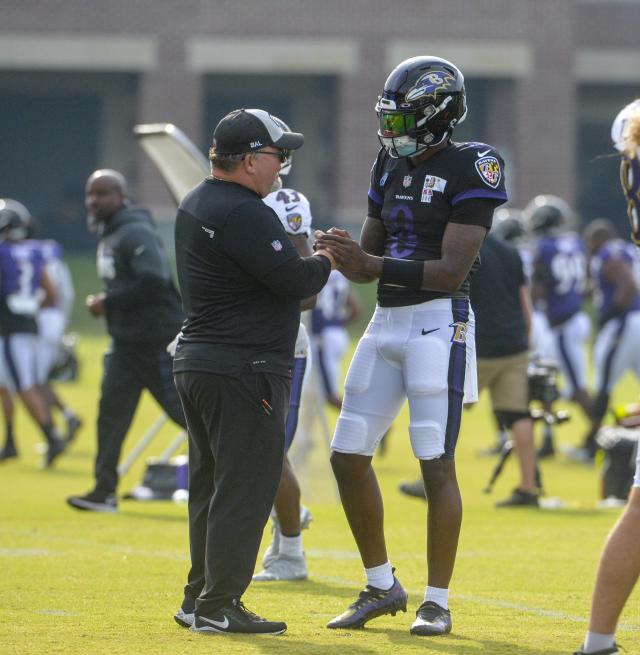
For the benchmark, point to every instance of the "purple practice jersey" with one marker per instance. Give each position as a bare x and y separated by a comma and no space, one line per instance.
604,290
21,266
560,264
331,305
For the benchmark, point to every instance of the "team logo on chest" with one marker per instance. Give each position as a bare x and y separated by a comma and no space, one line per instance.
406,181
489,170
276,245
432,183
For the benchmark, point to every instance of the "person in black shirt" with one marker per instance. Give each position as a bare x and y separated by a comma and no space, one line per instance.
431,202
142,309
242,281
502,306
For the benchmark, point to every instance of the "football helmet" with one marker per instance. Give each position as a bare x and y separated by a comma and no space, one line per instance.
619,129
422,101
508,225
285,168
547,214
15,220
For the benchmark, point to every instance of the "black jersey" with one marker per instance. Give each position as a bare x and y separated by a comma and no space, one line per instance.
417,202
242,281
495,297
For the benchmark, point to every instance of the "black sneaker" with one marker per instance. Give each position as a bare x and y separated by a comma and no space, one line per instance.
371,603
96,501
520,498
431,620
73,425
415,488
55,448
184,616
236,618
605,651
8,452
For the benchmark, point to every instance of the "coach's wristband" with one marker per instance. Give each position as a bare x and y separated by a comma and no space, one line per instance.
402,272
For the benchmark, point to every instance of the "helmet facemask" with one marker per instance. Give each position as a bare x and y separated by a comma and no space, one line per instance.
423,100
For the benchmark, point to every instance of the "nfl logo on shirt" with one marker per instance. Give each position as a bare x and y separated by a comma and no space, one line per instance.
276,245
406,181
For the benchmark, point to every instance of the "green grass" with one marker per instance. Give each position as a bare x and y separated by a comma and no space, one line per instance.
82,583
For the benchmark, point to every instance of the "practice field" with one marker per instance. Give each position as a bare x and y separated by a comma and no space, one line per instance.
84,583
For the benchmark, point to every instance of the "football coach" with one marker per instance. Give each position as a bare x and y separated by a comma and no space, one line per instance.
242,282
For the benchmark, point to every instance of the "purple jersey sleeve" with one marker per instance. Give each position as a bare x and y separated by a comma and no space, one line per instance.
604,289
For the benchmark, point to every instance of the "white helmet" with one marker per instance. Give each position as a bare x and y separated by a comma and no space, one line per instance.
619,134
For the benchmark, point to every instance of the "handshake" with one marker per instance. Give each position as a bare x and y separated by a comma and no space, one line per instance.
346,255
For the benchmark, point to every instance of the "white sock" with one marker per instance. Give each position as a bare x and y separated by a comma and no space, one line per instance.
291,546
437,595
380,577
595,641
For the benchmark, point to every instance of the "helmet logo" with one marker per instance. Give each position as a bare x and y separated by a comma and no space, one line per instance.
429,84
489,170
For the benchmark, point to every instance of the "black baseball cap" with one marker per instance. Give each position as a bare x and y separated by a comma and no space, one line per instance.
247,130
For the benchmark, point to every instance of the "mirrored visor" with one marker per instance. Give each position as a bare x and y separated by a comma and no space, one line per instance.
394,124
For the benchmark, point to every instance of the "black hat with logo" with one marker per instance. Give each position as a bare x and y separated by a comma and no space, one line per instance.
248,130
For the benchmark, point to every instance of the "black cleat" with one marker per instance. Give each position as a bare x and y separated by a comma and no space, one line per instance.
431,620
371,603
54,450
95,501
236,618
8,452
520,498
415,488
73,425
605,651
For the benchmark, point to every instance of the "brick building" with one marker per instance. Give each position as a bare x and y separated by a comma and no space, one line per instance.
544,80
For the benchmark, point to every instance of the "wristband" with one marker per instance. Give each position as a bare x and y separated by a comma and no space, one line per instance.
402,272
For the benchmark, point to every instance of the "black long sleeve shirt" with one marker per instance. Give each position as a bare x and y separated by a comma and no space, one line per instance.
241,281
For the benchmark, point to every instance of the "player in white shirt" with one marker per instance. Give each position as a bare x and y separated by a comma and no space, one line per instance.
284,559
52,323
619,566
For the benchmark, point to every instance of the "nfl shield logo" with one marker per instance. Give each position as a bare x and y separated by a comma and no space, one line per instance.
276,245
406,181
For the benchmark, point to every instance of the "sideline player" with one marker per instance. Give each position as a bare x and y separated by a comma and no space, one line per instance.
336,307
24,288
559,282
619,566
284,559
52,323
431,202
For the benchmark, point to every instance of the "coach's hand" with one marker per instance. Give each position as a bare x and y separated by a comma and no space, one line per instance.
95,304
348,254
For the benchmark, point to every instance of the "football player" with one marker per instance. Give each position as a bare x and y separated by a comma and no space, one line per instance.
52,323
431,202
336,307
24,287
620,560
559,281
284,559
